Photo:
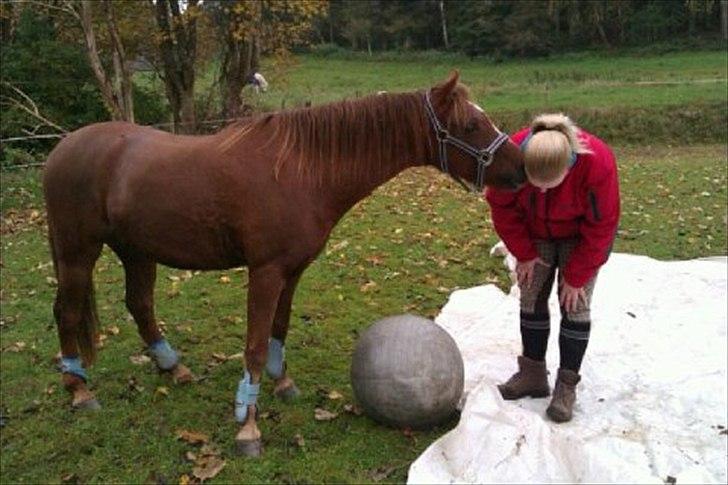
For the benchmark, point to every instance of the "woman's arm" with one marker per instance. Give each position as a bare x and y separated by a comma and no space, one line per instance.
599,226
510,223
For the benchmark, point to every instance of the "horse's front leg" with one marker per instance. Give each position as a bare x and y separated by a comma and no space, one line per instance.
276,367
264,291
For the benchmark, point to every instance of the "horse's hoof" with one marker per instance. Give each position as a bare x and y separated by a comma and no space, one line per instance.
181,374
287,394
87,405
251,448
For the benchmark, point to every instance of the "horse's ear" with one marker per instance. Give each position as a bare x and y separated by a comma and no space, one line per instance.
442,93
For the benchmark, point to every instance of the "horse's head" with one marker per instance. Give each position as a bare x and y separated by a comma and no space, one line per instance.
468,145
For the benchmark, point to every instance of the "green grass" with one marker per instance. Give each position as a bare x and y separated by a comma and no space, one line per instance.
417,238
565,82
673,98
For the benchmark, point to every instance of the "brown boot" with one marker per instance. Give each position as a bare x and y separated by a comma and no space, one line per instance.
530,380
562,404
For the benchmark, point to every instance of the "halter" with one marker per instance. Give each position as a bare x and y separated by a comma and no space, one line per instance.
483,157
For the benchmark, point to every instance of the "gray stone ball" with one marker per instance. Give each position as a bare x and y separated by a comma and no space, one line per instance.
407,372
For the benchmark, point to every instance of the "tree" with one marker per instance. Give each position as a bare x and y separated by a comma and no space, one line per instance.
177,42
41,99
251,27
117,93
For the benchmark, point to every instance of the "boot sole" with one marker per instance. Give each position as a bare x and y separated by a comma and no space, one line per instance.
556,416
512,397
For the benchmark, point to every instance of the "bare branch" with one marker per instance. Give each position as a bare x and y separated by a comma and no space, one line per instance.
31,107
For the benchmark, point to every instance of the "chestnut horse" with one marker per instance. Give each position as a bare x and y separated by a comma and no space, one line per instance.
264,192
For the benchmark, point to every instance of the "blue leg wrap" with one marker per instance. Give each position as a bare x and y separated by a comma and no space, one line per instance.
164,354
247,395
72,365
276,357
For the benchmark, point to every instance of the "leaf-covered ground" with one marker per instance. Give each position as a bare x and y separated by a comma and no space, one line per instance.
402,250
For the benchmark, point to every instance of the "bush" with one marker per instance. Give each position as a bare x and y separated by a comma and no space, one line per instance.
67,94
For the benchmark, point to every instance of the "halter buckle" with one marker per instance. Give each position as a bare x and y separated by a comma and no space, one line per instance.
442,134
485,158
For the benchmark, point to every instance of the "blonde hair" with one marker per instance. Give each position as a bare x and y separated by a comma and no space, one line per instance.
554,138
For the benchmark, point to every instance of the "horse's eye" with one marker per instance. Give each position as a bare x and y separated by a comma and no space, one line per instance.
471,127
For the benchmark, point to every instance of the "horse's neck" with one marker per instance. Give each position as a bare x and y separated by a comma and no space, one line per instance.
341,193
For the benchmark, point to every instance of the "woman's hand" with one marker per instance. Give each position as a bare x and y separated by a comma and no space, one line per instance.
524,271
569,297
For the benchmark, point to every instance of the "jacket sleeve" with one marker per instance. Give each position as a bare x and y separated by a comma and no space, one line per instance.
598,228
510,223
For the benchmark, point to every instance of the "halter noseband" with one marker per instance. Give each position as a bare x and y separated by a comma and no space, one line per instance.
483,157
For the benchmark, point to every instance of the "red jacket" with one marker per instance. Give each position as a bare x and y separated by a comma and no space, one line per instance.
585,205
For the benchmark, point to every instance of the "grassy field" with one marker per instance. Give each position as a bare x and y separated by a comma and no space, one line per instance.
405,249
573,81
678,97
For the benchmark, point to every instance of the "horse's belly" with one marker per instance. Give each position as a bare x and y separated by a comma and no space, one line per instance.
181,237
187,247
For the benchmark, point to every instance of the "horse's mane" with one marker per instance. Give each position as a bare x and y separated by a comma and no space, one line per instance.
359,137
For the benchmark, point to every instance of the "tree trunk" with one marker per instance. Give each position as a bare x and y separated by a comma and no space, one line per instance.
443,20
724,19
111,100
240,61
122,76
597,16
240,57
178,48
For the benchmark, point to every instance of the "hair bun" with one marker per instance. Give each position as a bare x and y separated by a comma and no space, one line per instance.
561,123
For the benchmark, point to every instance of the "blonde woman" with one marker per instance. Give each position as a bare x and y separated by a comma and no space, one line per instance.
562,222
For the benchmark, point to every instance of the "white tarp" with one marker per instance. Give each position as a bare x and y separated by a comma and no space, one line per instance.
653,398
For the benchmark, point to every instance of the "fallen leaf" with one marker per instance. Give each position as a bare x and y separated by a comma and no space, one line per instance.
51,281
353,409
173,291
209,450
139,359
209,468
69,478
224,279
379,474
367,286
190,456
333,395
299,441
323,415
162,390
219,356
16,347
184,479
191,437
112,329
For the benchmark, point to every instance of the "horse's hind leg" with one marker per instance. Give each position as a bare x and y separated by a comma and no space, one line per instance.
75,314
276,367
141,273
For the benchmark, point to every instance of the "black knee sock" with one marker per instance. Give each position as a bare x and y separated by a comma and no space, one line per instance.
573,340
535,334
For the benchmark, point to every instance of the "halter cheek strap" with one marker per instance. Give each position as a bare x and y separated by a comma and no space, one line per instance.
483,156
